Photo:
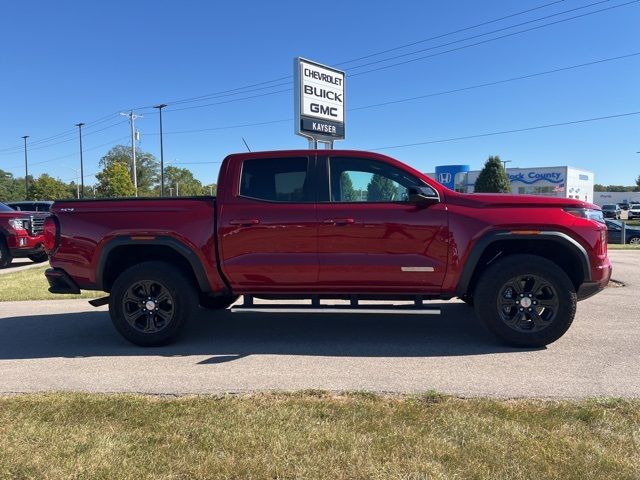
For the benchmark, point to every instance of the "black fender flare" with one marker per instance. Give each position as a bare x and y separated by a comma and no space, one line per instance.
176,245
505,235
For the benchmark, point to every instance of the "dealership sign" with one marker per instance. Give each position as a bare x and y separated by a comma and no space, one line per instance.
318,101
532,177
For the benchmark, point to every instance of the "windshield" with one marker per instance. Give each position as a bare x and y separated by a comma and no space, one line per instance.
608,207
4,208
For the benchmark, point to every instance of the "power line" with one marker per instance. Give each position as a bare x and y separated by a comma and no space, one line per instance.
466,137
72,154
503,132
424,40
375,62
263,85
463,47
61,134
418,97
289,77
497,82
350,75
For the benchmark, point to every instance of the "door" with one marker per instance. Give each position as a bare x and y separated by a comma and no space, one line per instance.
268,228
371,238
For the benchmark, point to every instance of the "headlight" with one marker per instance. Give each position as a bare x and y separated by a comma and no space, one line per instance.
589,213
18,224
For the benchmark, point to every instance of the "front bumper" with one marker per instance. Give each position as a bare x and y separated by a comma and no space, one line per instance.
22,245
599,281
60,281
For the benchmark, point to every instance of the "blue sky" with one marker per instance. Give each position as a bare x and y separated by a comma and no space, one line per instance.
66,62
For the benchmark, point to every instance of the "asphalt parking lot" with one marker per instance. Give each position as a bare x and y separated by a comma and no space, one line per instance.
68,345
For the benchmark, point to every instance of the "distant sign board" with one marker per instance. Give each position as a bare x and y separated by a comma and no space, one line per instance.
319,99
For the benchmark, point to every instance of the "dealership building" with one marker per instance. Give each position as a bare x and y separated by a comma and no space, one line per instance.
564,181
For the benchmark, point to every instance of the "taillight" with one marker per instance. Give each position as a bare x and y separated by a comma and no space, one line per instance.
51,234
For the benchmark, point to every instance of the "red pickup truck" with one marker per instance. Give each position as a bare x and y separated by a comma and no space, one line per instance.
21,235
330,224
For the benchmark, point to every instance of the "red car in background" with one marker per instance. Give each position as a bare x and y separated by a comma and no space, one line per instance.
21,235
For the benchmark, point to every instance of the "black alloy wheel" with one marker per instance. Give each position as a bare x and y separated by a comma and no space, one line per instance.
148,306
528,303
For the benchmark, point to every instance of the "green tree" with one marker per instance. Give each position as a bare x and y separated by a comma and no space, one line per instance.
347,192
493,177
147,167
114,181
10,187
615,188
381,189
638,184
211,189
48,188
182,181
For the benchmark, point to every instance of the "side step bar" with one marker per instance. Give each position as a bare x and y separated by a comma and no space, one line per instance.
354,306
389,310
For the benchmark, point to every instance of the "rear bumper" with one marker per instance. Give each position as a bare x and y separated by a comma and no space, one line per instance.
60,281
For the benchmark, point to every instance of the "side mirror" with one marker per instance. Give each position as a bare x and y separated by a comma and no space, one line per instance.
423,195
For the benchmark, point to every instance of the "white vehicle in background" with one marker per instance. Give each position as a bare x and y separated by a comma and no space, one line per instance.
634,211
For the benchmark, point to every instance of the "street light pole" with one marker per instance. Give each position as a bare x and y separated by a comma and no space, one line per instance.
80,125
160,107
26,169
504,163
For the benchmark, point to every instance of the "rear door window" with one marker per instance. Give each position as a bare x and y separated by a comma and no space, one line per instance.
277,180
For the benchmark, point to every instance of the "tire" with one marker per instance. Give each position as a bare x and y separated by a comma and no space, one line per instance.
217,303
165,297
39,257
5,254
634,241
525,300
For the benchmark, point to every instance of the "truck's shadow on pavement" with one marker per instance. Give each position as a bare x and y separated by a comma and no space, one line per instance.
226,336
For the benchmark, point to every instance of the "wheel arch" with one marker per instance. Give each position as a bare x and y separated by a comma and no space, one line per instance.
557,247
122,252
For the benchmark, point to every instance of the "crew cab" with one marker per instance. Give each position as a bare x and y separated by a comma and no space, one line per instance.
20,235
331,224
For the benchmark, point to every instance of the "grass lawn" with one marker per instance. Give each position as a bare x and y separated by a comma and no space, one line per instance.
315,435
619,246
31,284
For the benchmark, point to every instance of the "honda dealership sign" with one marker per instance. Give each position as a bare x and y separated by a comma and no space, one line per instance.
318,101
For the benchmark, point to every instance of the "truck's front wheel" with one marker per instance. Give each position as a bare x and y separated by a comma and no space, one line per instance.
526,300
150,303
5,254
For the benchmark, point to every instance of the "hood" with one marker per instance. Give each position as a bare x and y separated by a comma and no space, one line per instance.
507,200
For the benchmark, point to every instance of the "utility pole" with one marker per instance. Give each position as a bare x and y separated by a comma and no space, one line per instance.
160,107
504,163
80,125
132,121
177,191
26,170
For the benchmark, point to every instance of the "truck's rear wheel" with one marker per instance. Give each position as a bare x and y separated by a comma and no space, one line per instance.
217,303
150,303
5,254
525,300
